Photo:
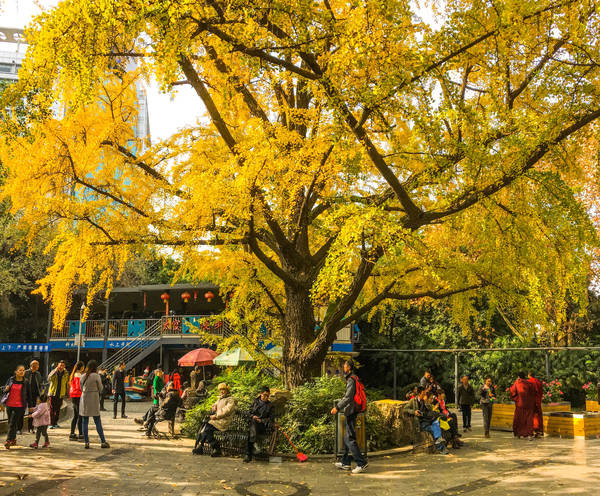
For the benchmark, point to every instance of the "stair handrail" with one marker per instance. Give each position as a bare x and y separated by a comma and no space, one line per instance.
124,354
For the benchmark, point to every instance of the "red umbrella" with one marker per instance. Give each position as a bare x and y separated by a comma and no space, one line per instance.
199,356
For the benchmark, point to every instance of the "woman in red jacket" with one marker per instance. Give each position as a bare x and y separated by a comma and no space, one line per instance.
16,399
75,394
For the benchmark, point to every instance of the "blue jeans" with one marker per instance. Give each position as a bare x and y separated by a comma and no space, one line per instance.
351,449
434,428
85,423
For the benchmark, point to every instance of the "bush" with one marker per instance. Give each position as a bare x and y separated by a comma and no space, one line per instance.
245,385
307,418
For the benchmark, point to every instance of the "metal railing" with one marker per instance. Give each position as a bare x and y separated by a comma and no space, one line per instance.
166,326
134,347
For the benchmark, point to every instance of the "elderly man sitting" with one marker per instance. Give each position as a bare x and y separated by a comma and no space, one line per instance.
261,418
166,410
220,420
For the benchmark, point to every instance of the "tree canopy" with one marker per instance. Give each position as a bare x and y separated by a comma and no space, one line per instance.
347,155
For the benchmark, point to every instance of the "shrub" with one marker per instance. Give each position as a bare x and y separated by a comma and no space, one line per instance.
245,385
307,418
591,391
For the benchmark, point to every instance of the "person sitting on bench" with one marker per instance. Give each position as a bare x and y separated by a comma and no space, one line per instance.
220,420
166,410
261,419
427,418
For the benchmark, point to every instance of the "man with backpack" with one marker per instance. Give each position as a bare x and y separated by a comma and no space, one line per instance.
353,403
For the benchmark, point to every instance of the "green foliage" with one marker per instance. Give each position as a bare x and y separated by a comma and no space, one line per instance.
307,418
245,384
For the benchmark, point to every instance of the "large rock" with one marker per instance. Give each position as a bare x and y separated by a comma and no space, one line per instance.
279,398
400,425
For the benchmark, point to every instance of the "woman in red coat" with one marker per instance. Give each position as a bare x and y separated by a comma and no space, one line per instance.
522,393
538,418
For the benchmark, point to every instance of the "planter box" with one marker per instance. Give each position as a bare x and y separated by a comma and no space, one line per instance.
572,425
592,406
503,413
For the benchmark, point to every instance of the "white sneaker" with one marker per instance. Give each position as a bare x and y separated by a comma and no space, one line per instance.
360,470
341,466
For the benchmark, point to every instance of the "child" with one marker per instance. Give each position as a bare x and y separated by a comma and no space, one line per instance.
41,420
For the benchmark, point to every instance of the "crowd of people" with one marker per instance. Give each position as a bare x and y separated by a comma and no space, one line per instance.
26,394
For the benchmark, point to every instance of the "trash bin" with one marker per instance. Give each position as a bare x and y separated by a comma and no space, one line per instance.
361,433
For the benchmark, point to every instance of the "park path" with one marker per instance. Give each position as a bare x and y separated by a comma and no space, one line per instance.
135,465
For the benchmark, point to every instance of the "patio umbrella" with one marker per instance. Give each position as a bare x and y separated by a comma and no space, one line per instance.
199,356
233,357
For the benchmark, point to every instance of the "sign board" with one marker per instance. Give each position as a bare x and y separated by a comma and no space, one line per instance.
23,347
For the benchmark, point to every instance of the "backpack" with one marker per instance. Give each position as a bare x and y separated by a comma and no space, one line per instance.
360,398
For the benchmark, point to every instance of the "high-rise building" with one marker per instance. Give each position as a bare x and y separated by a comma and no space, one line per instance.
12,52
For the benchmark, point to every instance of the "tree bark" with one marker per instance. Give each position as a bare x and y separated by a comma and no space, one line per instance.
299,365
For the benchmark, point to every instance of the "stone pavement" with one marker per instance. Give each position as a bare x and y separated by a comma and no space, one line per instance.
136,465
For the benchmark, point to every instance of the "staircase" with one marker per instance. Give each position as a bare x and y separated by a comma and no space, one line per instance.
136,349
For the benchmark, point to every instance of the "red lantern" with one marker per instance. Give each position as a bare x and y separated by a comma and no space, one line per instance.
185,296
209,295
195,294
165,298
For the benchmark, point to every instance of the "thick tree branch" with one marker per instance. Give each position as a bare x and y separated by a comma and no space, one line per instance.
470,198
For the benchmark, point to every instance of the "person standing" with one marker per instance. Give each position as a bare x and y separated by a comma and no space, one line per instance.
466,398
195,377
346,406
177,381
16,400
538,414
89,406
522,393
34,380
106,386
157,385
118,389
41,420
75,395
486,399
58,389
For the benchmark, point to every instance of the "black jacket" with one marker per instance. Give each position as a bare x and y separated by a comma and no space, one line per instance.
346,404
168,407
466,395
34,380
118,381
263,410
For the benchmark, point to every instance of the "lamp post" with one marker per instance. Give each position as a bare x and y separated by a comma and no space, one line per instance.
81,310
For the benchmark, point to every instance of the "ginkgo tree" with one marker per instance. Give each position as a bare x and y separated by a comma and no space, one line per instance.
348,154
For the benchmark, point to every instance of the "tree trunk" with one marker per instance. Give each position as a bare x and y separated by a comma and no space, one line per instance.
299,364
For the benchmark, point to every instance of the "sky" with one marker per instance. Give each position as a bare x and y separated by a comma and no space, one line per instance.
167,113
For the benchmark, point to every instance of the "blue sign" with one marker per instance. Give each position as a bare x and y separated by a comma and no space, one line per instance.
23,347
96,344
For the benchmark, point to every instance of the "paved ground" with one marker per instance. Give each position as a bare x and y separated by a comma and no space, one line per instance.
134,465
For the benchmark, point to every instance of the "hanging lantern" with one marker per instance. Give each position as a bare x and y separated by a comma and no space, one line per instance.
209,295
145,300
185,296
165,298
195,294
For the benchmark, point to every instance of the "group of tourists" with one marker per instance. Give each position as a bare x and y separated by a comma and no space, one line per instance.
26,395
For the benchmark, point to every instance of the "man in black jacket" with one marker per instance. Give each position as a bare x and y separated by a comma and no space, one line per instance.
118,389
34,382
261,418
346,406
